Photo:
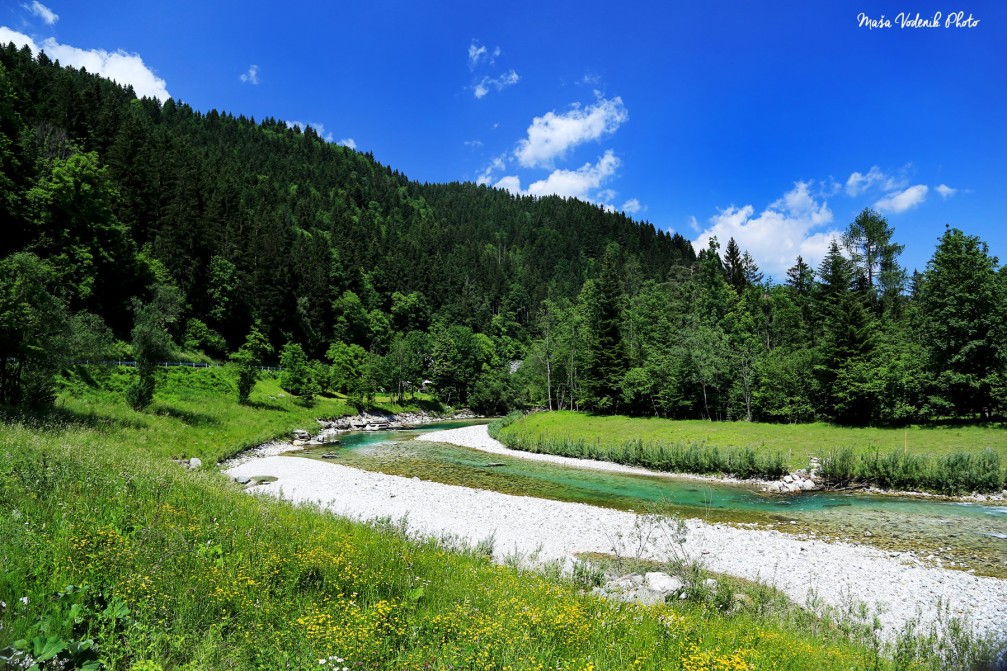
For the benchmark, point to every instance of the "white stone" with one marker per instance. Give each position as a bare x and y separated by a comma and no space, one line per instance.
662,582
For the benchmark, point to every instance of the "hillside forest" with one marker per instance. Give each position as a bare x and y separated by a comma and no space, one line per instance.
142,231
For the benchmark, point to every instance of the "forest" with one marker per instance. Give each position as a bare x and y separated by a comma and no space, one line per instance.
145,231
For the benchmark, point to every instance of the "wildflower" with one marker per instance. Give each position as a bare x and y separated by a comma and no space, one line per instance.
24,600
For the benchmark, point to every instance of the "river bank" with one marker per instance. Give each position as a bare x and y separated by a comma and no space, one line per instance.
478,438
839,575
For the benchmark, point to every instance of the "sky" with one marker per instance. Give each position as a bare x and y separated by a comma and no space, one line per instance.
771,122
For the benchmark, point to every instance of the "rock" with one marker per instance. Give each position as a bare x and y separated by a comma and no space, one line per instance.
195,462
648,597
788,478
242,479
710,582
662,582
300,434
807,485
627,582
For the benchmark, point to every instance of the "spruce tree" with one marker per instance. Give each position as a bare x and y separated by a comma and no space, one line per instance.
607,363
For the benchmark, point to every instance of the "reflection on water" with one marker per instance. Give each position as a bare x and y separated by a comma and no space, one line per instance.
951,533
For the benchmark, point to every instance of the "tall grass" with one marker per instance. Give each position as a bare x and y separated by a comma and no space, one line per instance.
951,474
658,456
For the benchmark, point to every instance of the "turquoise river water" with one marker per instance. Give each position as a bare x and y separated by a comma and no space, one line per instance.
969,536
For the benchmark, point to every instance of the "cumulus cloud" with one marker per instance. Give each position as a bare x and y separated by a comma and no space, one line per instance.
790,226
348,142
252,76
903,200
945,191
41,11
120,66
632,206
875,177
552,135
480,89
582,183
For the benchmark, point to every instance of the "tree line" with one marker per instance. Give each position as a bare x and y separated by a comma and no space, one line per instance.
855,341
135,229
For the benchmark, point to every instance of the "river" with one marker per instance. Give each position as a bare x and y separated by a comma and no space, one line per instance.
968,536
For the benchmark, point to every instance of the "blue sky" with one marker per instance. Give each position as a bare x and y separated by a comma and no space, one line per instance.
774,123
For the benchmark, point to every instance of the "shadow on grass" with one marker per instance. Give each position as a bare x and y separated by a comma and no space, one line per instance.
259,405
185,416
59,417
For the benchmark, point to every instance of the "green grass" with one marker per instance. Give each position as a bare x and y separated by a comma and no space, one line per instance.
945,452
106,540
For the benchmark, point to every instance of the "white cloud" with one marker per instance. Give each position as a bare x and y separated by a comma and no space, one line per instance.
476,53
252,76
632,206
122,67
348,142
903,200
479,54
781,232
20,39
858,182
509,78
945,191
497,164
552,135
581,183
473,144
318,128
41,11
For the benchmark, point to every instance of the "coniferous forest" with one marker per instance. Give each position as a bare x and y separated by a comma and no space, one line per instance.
145,231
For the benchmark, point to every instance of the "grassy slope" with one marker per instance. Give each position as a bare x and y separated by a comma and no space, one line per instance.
796,442
181,569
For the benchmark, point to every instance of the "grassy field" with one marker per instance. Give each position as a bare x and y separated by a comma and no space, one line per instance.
115,557
922,456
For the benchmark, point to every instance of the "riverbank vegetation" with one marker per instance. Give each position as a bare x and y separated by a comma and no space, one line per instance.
118,558
953,459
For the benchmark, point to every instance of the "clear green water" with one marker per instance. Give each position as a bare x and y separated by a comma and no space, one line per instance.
962,535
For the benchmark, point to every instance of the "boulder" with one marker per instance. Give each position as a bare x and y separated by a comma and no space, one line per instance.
662,582
807,485
300,434
195,462
242,479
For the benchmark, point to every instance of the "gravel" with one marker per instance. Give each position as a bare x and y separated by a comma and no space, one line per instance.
839,575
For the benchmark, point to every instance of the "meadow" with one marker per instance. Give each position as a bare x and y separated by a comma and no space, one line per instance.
952,459
116,557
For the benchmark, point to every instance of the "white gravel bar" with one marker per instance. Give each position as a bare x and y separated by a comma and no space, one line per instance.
840,574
